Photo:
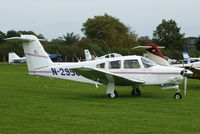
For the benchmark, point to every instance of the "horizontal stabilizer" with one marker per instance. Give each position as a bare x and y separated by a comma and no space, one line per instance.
147,47
18,38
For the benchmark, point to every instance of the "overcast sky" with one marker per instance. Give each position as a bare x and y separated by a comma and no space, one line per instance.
54,18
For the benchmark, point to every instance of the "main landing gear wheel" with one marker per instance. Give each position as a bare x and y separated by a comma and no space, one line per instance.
177,96
115,95
136,92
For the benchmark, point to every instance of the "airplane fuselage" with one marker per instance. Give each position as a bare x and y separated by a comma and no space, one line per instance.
131,67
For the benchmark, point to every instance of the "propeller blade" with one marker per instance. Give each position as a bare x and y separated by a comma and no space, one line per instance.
185,85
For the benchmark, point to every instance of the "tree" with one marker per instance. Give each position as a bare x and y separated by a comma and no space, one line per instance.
2,37
71,38
144,40
168,34
27,32
39,36
198,44
12,33
109,29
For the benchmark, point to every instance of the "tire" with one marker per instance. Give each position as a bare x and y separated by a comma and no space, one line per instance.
136,92
177,96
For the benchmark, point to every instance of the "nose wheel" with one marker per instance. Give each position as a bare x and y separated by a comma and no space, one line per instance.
177,96
115,95
111,92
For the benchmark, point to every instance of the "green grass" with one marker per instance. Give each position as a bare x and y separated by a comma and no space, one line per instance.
39,105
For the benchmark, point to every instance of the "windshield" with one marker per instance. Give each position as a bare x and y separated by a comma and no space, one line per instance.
147,62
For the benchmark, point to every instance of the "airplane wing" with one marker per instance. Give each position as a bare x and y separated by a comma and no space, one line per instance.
106,77
189,65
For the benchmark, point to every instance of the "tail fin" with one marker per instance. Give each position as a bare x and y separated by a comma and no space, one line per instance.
155,54
185,55
88,56
12,56
36,56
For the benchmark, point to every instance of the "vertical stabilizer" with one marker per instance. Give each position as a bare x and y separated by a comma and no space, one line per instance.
36,56
156,55
88,56
185,55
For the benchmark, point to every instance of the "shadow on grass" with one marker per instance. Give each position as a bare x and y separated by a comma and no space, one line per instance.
97,96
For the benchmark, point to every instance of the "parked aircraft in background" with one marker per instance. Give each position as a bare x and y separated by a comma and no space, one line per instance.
119,71
171,61
14,58
55,57
88,55
188,59
154,53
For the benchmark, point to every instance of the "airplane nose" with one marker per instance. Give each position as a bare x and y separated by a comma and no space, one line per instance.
186,73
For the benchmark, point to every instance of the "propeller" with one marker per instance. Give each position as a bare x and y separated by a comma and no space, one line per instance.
185,73
185,85
185,79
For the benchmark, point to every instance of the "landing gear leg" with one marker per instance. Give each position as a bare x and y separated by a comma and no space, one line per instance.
136,91
111,92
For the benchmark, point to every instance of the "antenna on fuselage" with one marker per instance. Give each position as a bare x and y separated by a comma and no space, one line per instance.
77,58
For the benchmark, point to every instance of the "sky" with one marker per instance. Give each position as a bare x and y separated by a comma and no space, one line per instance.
55,18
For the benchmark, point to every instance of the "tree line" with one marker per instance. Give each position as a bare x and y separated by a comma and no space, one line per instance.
103,34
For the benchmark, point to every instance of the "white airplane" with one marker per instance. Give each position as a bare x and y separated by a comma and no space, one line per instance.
14,58
88,55
189,59
154,53
132,71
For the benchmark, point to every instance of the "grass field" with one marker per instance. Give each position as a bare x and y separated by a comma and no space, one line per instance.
39,105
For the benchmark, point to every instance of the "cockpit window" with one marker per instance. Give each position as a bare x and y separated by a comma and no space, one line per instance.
131,64
114,64
107,56
102,65
147,63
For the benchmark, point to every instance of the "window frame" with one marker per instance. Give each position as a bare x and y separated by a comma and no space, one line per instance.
111,67
147,63
133,67
104,65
